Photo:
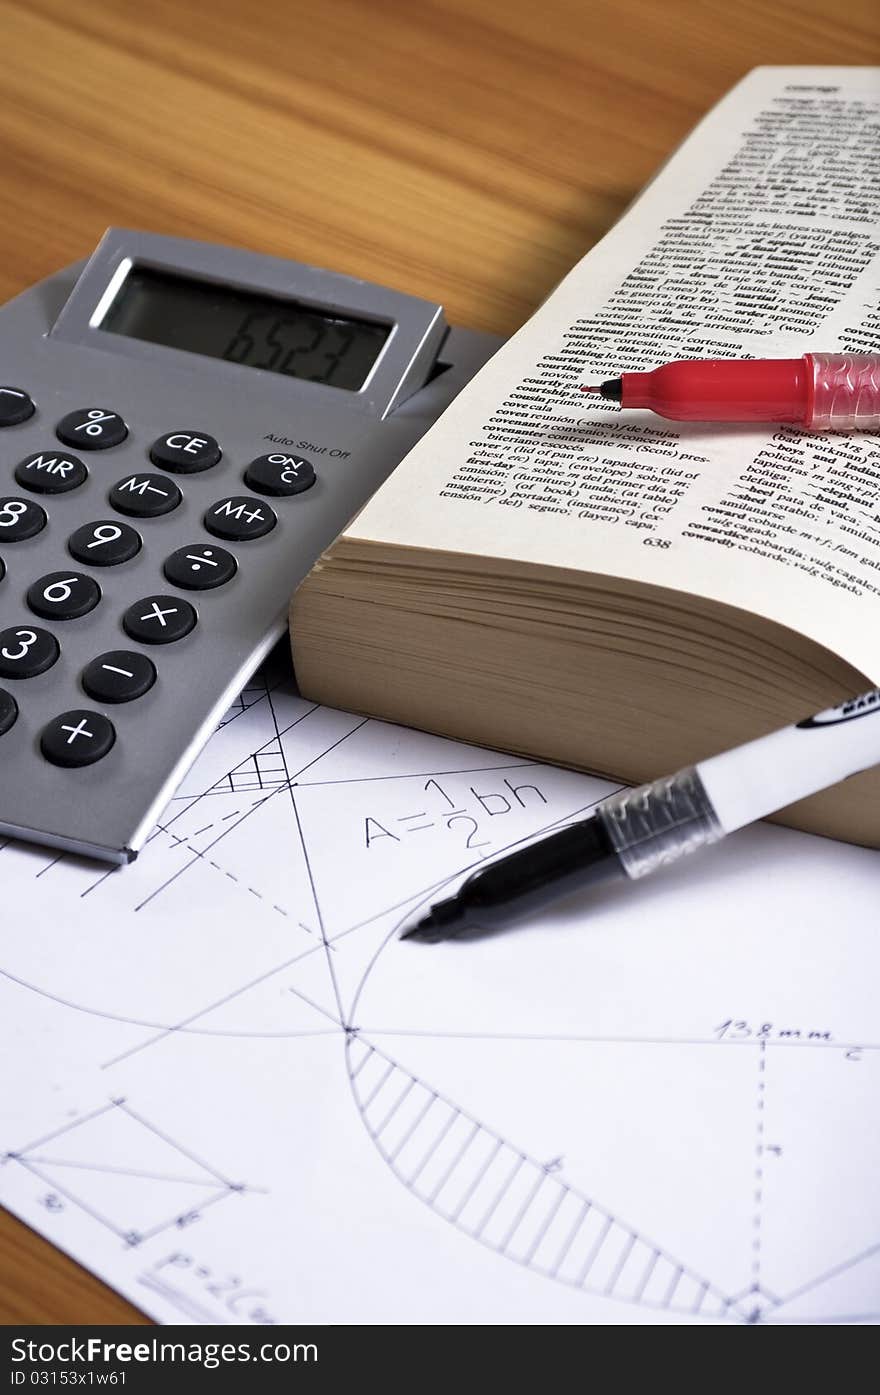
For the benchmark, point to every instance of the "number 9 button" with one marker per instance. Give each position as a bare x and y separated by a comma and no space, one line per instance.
104,544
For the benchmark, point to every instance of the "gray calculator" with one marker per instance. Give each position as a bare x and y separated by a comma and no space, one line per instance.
183,429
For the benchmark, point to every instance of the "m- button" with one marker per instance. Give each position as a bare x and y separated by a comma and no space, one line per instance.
185,452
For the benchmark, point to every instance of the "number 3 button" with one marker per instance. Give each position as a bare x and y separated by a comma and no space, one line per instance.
63,595
25,653
104,544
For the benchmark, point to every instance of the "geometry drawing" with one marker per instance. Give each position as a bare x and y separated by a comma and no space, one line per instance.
124,1173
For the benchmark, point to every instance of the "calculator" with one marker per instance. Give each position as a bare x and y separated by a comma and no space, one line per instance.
183,429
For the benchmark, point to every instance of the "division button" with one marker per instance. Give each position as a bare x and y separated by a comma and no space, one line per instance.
15,406
119,676
26,652
20,519
198,568
239,518
104,544
145,496
279,474
63,595
92,428
8,711
159,619
185,452
77,738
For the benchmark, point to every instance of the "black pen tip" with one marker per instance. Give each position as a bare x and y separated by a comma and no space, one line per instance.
612,390
445,918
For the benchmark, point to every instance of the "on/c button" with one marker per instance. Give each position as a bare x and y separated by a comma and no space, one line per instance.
185,452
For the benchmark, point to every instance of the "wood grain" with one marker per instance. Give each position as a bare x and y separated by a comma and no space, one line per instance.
463,150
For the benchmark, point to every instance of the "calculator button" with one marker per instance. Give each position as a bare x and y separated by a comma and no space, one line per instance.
145,496
63,595
48,473
185,452
280,474
197,568
20,519
92,428
15,406
239,519
104,544
8,711
77,738
159,619
120,676
24,652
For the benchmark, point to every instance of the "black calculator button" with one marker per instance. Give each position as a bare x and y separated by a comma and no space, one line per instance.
104,544
145,496
198,568
25,652
20,519
51,472
120,676
279,474
2,569
185,452
239,519
15,406
159,619
8,711
92,428
63,595
77,738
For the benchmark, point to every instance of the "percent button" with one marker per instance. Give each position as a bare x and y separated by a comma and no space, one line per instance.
92,428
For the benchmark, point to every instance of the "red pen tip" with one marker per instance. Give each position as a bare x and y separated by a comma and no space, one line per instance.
597,388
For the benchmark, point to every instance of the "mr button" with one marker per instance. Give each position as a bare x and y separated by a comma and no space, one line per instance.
185,452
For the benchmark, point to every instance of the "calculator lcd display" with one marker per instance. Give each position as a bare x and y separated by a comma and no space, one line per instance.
280,336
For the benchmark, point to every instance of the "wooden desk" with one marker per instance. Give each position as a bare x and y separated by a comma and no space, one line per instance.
463,150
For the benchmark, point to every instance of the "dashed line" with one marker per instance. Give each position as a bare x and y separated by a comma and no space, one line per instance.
759,1165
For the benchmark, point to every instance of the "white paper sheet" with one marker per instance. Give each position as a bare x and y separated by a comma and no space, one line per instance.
230,1091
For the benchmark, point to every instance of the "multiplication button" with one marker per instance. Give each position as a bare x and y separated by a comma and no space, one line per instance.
77,738
118,676
63,595
159,619
185,452
51,472
20,519
15,406
239,519
197,568
279,474
145,496
92,428
8,711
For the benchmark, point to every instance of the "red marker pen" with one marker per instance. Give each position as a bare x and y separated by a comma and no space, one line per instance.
822,392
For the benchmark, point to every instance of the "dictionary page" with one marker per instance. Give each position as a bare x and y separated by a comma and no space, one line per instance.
229,1089
760,238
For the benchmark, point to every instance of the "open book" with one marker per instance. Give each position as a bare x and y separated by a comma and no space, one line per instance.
611,590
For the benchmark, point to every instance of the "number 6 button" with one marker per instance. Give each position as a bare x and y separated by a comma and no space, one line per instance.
24,653
158,620
63,595
104,544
